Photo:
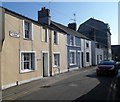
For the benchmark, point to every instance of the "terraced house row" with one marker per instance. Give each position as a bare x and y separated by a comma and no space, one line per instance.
30,50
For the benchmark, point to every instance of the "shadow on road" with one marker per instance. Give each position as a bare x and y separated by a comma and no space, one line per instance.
107,90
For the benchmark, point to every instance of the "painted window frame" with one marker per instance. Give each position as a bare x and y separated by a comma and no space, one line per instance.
72,51
75,44
59,63
30,30
72,41
44,35
22,70
87,44
56,41
101,57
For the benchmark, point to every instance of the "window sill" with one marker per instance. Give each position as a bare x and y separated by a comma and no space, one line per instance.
56,66
45,41
73,45
26,71
27,39
71,64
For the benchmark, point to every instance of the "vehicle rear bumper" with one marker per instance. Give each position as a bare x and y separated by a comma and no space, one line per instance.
105,72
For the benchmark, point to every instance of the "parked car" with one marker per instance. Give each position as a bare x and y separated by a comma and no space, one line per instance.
107,67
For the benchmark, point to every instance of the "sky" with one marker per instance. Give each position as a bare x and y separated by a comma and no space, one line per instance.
63,12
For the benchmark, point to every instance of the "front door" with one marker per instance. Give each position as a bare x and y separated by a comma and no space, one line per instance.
79,62
45,64
82,59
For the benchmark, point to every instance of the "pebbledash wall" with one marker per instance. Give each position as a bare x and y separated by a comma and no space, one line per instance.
20,51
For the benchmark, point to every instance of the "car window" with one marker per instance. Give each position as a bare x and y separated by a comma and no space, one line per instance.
107,63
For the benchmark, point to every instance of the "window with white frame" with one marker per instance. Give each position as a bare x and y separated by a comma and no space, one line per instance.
87,45
45,35
71,40
55,37
100,57
72,57
27,61
56,60
27,30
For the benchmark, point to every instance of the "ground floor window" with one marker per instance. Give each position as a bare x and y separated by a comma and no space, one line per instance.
72,57
87,56
100,57
27,61
56,60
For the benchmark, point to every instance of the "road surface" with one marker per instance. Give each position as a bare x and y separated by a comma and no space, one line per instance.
85,85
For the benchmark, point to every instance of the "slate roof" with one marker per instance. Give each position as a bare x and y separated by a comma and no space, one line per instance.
53,25
20,16
67,30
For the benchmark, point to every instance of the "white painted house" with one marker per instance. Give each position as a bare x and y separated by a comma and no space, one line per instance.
86,53
97,52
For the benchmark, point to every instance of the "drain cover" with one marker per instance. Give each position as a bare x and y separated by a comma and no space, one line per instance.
45,86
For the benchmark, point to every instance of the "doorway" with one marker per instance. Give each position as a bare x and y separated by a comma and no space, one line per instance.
45,64
79,60
82,59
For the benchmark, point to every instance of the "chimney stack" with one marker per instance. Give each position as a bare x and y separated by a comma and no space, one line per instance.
72,26
44,16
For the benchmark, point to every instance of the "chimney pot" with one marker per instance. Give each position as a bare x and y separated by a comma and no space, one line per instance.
42,9
72,26
44,16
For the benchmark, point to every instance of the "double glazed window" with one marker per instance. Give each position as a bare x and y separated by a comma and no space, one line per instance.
100,57
27,30
27,61
56,60
55,37
87,45
45,35
71,40
72,57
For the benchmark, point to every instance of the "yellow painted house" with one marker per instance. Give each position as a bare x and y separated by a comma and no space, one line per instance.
29,49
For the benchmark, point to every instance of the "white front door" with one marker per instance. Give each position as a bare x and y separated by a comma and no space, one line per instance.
45,64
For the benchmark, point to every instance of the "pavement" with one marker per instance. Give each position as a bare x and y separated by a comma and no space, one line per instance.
27,88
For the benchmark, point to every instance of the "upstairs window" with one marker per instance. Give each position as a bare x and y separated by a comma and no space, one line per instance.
27,30
77,41
71,40
45,35
98,46
55,37
87,45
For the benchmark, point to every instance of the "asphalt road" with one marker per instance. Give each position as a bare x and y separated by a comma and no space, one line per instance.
83,86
